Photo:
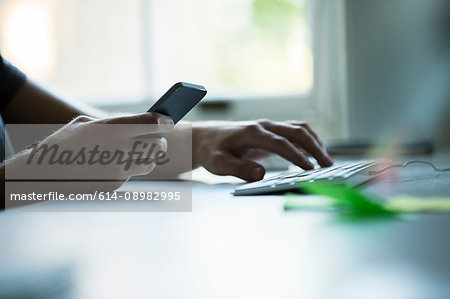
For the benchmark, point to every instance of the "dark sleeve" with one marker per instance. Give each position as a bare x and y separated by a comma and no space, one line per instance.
11,79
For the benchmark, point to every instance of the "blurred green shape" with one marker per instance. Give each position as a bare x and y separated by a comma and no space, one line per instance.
309,202
352,203
347,201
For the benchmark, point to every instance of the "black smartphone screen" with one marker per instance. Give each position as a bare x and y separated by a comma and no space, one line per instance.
179,100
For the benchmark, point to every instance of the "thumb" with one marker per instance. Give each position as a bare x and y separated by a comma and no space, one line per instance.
146,118
226,164
139,124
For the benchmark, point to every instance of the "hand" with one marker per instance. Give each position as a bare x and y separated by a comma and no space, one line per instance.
232,148
102,153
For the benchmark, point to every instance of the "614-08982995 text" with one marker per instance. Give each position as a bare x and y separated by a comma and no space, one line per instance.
107,196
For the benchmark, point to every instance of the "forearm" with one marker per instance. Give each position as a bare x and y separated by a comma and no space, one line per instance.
34,105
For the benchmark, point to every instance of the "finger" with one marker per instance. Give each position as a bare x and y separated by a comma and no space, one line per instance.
260,138
313,133
147,149
138,124
227,164
301,136
145,118
137,157
310,130
139,169
82,119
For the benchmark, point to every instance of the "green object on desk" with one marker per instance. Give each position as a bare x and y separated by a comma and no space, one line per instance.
353,202
347,201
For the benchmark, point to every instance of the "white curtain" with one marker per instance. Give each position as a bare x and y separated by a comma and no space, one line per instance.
330,63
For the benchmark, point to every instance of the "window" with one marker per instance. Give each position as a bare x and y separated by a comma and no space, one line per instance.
115,51
89,49
242,47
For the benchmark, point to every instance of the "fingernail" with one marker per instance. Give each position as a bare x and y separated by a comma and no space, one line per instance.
165,120
256,174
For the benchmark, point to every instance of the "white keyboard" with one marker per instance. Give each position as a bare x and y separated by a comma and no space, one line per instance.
350,173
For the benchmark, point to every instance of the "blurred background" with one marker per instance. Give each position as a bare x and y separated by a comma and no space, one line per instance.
363,70
105,52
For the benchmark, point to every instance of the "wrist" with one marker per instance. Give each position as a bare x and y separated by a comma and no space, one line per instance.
196,145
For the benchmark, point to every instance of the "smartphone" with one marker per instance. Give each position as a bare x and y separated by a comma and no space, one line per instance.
179,100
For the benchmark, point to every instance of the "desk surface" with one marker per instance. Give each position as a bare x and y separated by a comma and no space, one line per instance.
227,247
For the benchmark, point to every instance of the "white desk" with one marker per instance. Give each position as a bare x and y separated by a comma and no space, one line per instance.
228,247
